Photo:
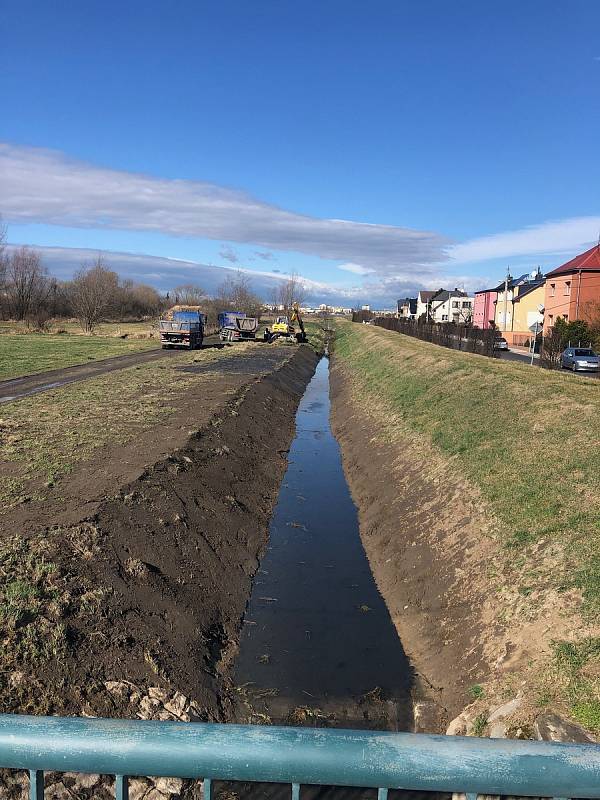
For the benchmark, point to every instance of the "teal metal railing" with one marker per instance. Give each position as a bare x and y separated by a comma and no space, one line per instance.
296,756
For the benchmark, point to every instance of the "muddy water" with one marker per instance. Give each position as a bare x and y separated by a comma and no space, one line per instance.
318,645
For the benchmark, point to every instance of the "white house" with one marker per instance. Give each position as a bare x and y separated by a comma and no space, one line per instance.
424,299
452,306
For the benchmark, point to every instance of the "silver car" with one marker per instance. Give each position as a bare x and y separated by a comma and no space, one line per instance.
500,343
580,359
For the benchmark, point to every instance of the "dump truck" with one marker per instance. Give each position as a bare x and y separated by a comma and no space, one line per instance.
182,326
285,328
235,326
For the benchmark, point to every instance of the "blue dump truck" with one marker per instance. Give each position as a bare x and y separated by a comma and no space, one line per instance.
235,326
182,326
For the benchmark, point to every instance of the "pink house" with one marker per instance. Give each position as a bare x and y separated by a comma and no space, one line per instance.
484,310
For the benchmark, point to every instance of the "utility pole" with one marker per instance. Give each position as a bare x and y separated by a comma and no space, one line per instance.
506,295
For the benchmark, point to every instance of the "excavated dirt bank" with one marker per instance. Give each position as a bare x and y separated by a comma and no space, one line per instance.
151,587
420,533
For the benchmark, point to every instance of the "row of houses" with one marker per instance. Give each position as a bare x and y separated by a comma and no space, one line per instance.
518,307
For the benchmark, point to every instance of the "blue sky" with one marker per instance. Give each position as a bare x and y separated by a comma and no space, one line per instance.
375,148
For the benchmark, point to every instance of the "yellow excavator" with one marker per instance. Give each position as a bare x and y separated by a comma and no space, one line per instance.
285,328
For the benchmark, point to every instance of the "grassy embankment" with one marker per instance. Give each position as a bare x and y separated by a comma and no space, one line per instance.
529,440
23,353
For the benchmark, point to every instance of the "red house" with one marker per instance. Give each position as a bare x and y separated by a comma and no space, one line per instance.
573,289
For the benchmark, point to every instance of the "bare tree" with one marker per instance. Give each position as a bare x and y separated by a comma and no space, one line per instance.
189,294
26,283
93,292
552,347
236,294
291,291
2,254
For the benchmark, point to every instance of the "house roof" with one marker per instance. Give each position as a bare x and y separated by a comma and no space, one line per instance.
588,261
441,297
528,289
427,295
498,288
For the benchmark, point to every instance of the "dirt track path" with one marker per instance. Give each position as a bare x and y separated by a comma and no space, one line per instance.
17,388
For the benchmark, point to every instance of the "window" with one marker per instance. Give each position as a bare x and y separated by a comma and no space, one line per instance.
466,304
568,287
444,317
566,317
552,289
455,304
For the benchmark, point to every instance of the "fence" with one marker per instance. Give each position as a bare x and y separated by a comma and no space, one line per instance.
295,756
448,334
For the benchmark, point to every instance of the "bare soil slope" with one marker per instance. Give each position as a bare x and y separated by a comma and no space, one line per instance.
146,581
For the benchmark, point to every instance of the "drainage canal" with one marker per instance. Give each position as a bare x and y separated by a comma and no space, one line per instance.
318,646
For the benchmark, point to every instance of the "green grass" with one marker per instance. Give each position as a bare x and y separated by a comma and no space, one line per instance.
28,585
527,438
575,676
479,725
26,354
62,326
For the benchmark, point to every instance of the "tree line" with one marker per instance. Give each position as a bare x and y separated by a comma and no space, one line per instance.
96,293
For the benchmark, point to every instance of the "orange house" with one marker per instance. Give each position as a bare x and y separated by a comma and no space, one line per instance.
573,289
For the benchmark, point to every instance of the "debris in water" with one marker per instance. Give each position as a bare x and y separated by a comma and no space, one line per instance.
297,525
265,693
268,599
365,609
264,659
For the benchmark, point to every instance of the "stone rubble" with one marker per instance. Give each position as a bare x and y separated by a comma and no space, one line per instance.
548,727
153,703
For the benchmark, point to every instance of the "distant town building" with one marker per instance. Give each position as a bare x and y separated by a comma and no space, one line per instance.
366,308
407,308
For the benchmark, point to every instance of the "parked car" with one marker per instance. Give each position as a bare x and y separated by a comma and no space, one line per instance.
580,359
500,343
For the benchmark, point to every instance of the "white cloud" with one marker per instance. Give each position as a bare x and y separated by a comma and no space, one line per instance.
45,186
357,269
559,236
165,273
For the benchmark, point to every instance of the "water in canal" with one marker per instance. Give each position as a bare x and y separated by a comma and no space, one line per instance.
318,645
